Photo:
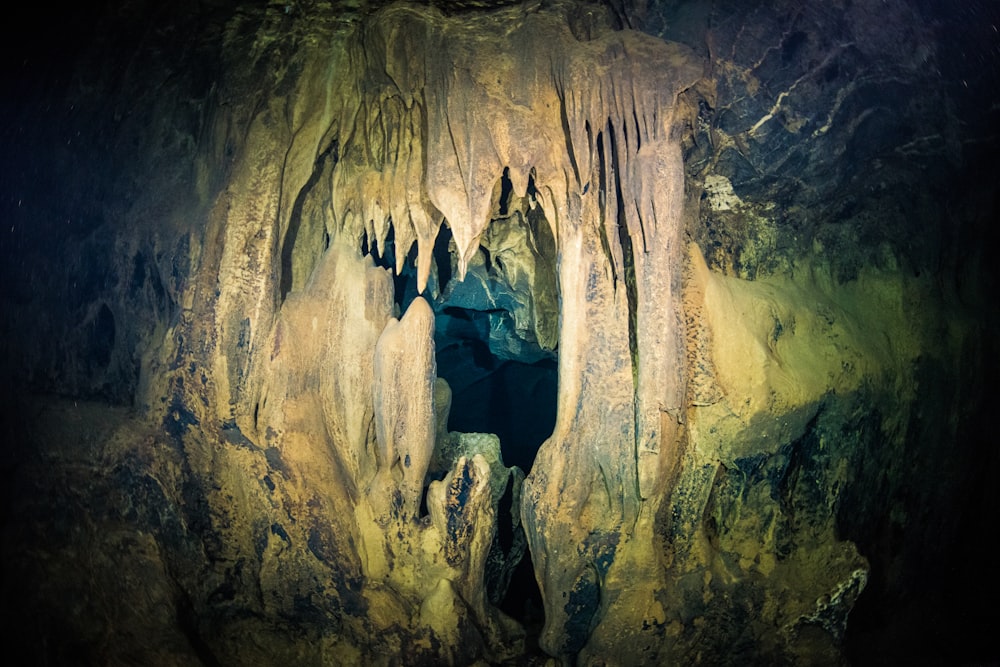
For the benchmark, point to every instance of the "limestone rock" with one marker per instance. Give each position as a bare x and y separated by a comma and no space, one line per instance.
756,259
509,543
405,424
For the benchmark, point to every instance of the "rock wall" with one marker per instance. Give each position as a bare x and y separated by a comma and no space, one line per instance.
769,386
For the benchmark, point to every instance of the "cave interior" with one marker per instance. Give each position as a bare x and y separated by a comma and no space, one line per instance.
500,332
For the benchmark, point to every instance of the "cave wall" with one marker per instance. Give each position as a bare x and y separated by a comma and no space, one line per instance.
771,335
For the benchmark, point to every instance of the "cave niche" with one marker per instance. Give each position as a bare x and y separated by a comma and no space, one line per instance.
496,332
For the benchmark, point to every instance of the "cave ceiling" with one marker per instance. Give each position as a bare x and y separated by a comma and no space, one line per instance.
497,332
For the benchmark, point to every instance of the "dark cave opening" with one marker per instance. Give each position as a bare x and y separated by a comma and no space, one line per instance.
512,399
503,380
503,373
516,401
500,382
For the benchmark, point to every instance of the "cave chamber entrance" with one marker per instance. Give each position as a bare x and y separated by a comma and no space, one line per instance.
496,331
496,336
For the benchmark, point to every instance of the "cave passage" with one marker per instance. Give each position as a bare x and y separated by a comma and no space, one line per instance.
491,338
503,380
512,395
516,400
513,399
503,377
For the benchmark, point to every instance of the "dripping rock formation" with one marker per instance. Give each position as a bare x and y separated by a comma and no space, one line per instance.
494,332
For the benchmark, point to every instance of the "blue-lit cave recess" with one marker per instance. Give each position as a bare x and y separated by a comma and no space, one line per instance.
507,390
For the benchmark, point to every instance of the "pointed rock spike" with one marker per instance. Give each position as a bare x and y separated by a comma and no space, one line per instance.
381,234
518,181
425,257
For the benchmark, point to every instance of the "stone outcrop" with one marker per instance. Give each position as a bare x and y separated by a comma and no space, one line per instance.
765,375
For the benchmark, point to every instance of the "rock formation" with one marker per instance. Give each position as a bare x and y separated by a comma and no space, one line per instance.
346,219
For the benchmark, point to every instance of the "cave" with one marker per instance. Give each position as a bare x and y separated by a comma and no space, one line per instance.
513,399
495,339
495,348
447,332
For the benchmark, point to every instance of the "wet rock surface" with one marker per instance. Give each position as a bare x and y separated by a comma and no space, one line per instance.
727,258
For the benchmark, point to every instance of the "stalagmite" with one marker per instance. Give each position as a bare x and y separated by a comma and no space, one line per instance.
405,424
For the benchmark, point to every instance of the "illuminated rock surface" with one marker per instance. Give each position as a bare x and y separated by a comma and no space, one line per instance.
704,286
